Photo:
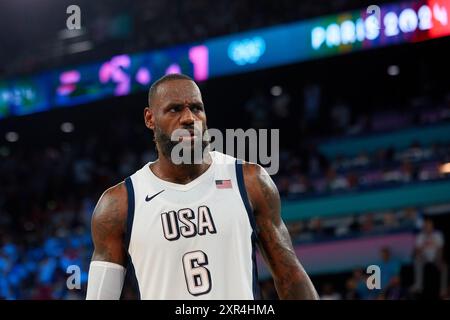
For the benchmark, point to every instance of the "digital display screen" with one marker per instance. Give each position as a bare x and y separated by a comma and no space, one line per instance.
124,74
120,75
367,28
392,24
25,95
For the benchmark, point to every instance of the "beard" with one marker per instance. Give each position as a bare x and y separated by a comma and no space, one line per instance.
166,145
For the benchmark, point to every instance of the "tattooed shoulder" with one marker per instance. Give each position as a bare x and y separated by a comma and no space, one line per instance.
263,193
109,218
110,212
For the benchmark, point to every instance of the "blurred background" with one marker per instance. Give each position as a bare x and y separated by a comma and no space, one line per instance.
362,103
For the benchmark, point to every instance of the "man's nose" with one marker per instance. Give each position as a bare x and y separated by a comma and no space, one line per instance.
187,117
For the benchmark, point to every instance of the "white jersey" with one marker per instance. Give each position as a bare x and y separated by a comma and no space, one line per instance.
192,241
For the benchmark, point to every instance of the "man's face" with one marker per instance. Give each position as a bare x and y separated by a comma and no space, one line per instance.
176,105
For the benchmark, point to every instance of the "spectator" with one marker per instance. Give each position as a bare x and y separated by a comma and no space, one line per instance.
362,290
389,267
429,261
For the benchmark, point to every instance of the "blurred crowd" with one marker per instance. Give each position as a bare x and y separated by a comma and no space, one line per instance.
425,278
384,168
428,278
307,171
351,226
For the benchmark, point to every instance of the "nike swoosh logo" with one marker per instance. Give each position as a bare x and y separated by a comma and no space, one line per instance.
147,198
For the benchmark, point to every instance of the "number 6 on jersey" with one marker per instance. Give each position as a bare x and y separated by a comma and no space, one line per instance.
198,277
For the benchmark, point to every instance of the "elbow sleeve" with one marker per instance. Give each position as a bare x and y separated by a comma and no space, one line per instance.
105,281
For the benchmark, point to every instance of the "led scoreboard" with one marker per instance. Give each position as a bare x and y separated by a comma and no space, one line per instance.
371,27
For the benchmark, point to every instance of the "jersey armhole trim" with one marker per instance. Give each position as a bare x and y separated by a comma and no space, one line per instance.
130,214
243,192
130,277
251,217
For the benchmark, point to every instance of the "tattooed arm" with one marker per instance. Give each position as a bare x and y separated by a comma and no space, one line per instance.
107,271
109,225
291,280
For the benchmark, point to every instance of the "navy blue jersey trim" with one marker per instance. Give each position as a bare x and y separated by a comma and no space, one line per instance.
251,217
130,278
130,282
243,191
130,215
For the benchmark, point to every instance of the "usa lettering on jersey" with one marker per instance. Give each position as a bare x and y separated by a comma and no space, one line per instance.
185,223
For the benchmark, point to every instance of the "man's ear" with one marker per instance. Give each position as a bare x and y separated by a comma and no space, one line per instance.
149,118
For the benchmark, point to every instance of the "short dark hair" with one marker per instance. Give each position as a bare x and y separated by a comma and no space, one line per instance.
166,78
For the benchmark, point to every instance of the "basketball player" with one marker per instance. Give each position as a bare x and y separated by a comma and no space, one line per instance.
189,231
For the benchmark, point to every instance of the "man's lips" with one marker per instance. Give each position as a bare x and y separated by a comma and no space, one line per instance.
191,135
188,133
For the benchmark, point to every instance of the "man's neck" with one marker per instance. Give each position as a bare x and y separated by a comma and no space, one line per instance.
166,170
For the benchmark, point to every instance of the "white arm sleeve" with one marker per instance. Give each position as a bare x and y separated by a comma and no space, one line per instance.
105,281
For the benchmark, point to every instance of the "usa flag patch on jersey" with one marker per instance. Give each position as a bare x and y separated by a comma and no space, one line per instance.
223,184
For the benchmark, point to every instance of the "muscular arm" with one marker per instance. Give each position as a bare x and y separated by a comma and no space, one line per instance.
291,280
107,271
109,225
